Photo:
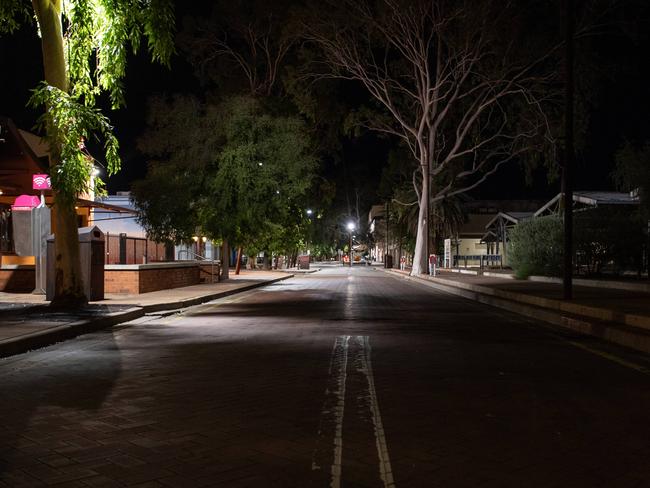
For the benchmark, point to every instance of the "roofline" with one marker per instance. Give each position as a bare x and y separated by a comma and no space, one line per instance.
504,215
83,202
21,142
579,198
547,204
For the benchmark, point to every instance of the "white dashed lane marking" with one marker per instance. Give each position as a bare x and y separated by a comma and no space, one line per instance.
328,455
385,470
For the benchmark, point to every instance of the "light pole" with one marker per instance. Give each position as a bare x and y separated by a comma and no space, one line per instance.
309,213
351,228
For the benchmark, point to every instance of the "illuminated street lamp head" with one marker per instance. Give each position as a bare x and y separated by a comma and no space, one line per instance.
351,226
309,211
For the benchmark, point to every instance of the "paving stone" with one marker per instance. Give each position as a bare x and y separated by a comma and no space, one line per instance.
231,394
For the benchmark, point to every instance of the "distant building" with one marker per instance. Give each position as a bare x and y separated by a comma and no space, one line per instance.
473,245
117,216
24,168
497,231
589,199
376,218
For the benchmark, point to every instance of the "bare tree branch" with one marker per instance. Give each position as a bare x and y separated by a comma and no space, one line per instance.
464,101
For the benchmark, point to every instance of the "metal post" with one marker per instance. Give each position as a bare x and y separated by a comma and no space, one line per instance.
122,248
350,249
386,240
567,167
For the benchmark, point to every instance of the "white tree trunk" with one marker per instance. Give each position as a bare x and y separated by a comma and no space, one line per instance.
420,253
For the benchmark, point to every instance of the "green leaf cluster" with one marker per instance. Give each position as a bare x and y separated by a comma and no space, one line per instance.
605,238
536,247
234,170
609,238
70,123
96,37
13,13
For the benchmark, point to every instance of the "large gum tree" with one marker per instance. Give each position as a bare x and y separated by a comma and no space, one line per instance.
84,48
452,80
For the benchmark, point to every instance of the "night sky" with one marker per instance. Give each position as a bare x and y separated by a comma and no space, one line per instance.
619,105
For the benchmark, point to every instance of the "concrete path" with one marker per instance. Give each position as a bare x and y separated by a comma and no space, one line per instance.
343,378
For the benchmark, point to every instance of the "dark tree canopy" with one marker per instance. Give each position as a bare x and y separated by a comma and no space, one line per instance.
237,171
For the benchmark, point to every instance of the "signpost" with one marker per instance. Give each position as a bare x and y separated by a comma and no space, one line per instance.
41,182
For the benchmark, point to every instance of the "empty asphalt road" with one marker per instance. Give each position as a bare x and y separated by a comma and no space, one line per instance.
348,378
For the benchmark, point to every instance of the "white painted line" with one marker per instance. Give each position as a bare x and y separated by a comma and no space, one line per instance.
385,469
334,409
338,413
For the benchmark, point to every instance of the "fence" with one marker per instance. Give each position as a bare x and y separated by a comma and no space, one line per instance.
121,249
483,260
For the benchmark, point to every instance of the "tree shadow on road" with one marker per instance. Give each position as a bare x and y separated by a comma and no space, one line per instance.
45,393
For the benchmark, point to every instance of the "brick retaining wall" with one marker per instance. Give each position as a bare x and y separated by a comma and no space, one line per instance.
134,279
131,279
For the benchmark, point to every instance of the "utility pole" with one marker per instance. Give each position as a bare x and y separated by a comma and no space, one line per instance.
350,249
351,228
386,242
567,167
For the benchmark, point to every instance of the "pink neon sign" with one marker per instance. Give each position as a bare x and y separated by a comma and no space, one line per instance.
41,182
25,202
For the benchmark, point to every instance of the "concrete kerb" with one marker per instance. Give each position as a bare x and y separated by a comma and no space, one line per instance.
592,283
597,313
48,337
606,329
300,271
190,302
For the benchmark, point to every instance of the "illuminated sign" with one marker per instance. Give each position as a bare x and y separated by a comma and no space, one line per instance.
41,182
26,202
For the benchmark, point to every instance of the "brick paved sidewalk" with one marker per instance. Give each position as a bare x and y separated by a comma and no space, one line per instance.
27,323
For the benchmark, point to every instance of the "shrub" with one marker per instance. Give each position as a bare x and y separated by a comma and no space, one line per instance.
609,237
536,247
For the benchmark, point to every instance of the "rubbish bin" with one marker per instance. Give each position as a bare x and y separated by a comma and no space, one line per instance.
388,261
92,252
303,261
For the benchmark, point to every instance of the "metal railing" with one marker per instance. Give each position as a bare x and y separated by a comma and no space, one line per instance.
123,249
484,260
191,256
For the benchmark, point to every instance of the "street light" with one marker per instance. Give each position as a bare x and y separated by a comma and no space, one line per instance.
351,228
309,212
